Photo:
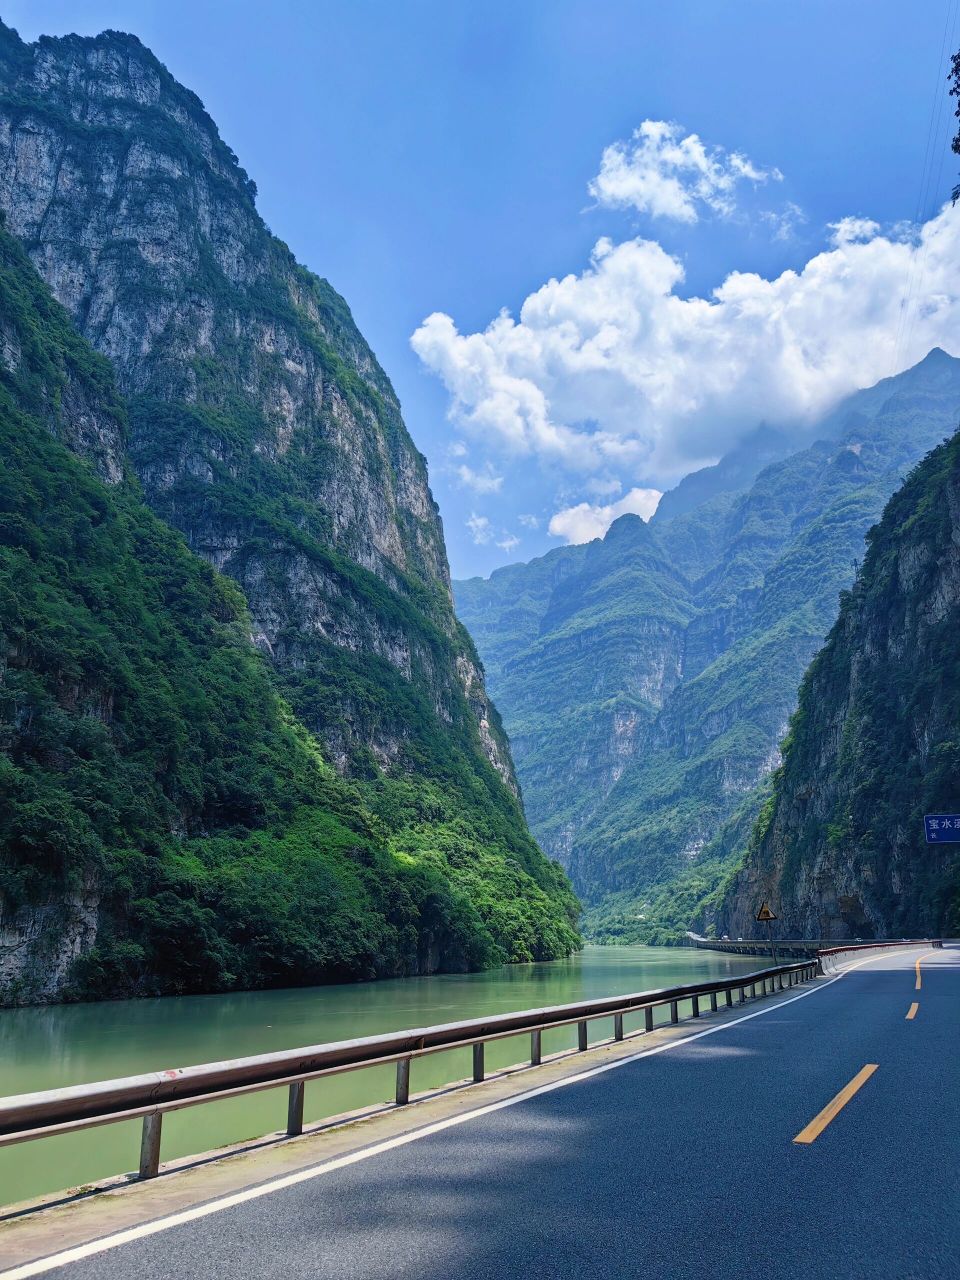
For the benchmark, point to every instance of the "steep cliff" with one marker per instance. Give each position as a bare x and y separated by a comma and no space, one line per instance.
840,849
649,703
262,428
261,424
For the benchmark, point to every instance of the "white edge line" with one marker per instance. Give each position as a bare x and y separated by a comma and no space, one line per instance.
127,1236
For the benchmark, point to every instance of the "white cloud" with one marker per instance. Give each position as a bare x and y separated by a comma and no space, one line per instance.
783,223
668,175
457,449
509,542
529,522
612,372
587,520
485,481
480,529
852,231
603,486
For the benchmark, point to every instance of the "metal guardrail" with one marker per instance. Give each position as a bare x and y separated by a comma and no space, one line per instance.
28,1116
828,956
797,947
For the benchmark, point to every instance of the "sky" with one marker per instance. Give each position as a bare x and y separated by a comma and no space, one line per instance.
592,242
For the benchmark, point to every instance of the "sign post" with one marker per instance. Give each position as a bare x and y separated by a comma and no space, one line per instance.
765,915
941,828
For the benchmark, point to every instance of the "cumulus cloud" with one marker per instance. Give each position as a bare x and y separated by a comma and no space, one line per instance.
589,520
529,522
484,481
852,231
612,372
667,174
508,542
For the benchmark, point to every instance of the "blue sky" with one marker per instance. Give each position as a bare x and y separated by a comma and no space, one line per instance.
436,159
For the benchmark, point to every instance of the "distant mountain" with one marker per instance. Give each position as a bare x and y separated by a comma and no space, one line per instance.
244,408
732,474
873,745
649,703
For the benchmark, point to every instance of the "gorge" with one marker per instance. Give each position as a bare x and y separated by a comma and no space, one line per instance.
295,778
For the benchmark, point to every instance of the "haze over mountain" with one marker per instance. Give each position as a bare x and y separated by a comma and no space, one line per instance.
646,679
333,796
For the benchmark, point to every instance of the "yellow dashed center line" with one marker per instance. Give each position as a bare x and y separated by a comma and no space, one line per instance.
912,1011
833,1108
918,973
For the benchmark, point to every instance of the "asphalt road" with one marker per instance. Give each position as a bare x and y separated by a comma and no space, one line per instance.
675,1165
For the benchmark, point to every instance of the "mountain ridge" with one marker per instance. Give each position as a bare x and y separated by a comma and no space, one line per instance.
648,795
259,425
839,848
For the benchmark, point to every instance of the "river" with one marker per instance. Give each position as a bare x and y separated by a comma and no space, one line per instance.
56,1045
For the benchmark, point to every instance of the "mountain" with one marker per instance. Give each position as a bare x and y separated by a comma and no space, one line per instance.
649,702
242,408
873,745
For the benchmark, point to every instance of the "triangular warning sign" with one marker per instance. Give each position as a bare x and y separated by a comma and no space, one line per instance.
765,913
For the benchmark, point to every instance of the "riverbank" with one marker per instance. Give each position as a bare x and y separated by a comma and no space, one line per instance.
56,1045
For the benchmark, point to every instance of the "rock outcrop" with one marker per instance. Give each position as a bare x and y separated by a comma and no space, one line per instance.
294,776
262,425
840,850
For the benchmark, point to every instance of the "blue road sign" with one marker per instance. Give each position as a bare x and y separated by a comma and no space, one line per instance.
942,828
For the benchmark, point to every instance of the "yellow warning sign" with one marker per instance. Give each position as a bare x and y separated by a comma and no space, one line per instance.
765,913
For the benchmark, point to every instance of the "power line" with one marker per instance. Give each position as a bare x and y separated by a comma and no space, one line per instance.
927,192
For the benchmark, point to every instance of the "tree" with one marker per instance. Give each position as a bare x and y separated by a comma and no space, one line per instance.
954,78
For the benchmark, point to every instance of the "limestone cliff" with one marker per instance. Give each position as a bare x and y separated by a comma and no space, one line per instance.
262,425
840,850
646,680
208,787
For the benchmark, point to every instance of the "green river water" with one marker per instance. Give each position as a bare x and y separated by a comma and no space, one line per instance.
58,1045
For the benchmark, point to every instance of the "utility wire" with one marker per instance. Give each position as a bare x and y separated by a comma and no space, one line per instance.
927,192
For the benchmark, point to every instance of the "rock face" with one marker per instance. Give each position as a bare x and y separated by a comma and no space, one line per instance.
646,680
167,739
261,424
840,849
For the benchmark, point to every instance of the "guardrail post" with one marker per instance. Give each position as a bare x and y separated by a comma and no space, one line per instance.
674,1011
535,1047
695,1006
618,1026
403,1081
713,1002
743,996
581,1036
729,994
150,1145
478,1063
295,1109
753,989
648,1018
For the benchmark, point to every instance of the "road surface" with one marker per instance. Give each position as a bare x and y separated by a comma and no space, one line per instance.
679,1164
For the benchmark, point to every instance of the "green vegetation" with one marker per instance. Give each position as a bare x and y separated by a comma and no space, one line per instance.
873,744
153,773
647,679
